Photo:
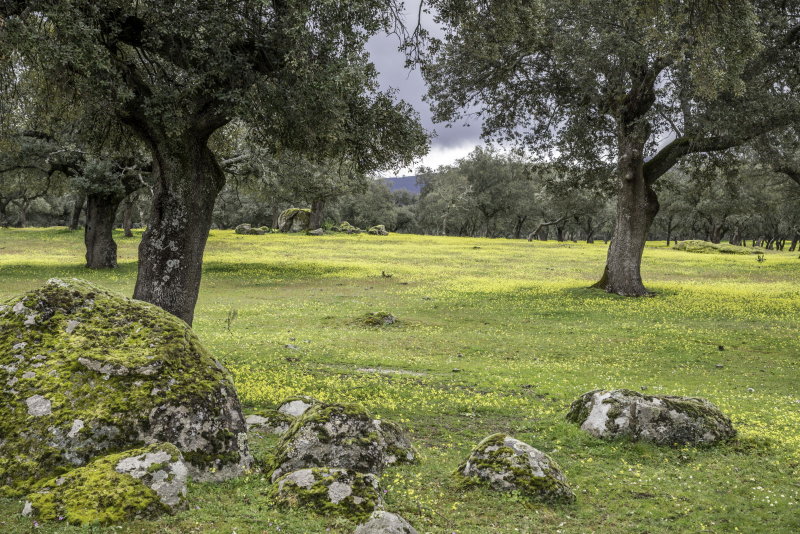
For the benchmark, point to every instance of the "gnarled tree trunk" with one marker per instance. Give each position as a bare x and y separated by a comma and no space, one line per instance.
317,213
77,208
101,211
127,215
171,252
637,206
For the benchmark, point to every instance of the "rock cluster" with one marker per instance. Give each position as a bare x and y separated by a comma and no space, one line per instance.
246,229
85,372
334,446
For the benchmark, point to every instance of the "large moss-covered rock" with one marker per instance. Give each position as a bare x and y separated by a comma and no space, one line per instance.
118,487
664,420
85,372
294,220
347,437
507,464
329,491
382,522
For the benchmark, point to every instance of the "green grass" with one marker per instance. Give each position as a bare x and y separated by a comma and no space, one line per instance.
527,336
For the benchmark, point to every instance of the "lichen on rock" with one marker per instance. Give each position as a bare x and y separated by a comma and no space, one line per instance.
382,522
663,420
85,372
507,464
341,436
140,483
329,491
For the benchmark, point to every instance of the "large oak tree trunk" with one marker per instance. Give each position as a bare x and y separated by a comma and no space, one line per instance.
637,206
101,211
77,208
189,179
317,212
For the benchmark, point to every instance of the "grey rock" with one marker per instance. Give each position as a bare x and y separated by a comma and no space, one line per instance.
296,407
318,231
329,490
346,437
664,420
508,464
382,522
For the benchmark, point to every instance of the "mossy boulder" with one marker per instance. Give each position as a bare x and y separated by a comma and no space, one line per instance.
329,491
663,420
507,464
294,220
378,319
346,228
706,247
341,436
85,372
378,230
381,522
246,229
141,483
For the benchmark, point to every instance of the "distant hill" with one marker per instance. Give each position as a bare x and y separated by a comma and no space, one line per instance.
409,183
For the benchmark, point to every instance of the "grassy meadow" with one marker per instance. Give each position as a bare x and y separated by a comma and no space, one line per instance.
493,336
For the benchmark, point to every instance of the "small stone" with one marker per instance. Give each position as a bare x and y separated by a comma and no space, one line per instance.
456,370
751,390
643,388
292,347
719,366
296,407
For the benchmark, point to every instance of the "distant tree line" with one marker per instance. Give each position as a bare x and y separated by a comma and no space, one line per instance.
487,194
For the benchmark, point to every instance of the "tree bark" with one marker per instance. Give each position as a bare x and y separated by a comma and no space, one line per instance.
637,206
77,208
101,211
127,215
317,214
189,179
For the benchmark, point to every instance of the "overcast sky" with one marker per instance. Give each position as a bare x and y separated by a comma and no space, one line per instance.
448,144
